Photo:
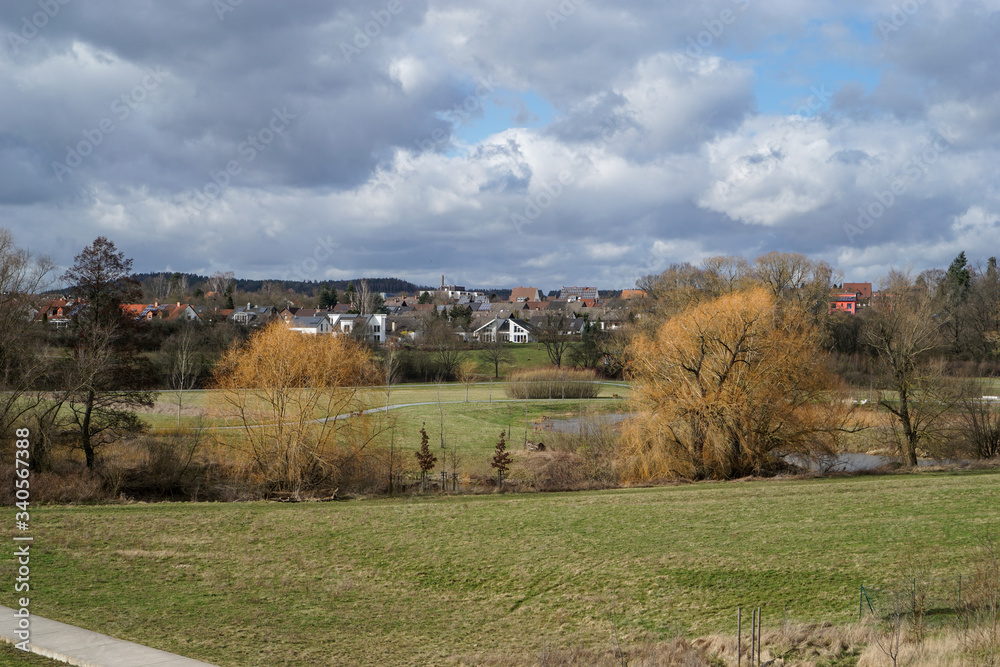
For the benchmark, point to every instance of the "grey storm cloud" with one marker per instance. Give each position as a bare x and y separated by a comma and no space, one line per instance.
317,139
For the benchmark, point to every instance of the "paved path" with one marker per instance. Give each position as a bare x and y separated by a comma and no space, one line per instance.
77,646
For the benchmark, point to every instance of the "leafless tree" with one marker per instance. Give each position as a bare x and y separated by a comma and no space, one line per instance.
22,275
186,363
552,334
221,283
901,328
495,353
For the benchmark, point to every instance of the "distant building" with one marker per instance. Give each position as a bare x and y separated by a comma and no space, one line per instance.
844,303
525,294
863,290
578,293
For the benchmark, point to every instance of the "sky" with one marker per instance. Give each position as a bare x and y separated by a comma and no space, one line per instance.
501,142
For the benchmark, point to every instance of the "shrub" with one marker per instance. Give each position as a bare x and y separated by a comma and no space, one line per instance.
553,383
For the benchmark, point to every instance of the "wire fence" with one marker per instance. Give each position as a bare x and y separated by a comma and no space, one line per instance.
933,600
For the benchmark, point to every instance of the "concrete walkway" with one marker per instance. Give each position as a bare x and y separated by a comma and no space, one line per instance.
77,646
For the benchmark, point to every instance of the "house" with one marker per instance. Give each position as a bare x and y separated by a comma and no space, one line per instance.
346,323
311,324
60,312
578,293
863,290
509,330
157,311
523,294
253,316
844,303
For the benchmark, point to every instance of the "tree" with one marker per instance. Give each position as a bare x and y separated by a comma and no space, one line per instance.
425,458
22,362
902,329
366,301
589,352
186,362
285,391
495,353
425,297
726,388
107,380
501,460
351,298
438,338
552,335
222,283
328,297
468,374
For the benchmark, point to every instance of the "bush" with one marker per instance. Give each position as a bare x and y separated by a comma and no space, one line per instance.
553,383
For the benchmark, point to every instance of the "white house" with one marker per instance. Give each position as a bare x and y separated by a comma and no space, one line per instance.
345,323
510,330
317,324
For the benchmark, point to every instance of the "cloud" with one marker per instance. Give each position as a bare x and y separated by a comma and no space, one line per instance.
655,151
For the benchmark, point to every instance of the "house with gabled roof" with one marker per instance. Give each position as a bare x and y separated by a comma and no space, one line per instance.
346,323
578,293
253,316
310,324
509,330
523,294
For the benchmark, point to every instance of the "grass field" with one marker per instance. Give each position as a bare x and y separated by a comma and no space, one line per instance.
467,579
12,657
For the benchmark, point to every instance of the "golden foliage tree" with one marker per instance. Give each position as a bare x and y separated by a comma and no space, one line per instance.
284,391
724,388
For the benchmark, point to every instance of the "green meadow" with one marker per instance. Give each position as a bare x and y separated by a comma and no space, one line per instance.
495,578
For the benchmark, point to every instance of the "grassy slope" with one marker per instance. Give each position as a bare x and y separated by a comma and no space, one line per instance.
419,581
12,657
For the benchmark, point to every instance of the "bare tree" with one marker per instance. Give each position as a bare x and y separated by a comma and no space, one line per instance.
186,363
553,336
901,328
22,276
496,354
158,287
222,283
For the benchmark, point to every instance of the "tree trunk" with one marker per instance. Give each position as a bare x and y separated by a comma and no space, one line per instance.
88,446
910,436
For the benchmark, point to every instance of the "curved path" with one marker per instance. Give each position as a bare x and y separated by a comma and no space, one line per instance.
76,646
396,406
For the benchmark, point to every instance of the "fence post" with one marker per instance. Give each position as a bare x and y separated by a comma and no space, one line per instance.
760,632
739,635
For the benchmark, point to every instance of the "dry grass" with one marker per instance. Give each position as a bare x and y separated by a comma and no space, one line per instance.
552,383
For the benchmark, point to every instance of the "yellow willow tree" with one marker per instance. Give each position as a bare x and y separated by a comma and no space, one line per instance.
724,388
284,391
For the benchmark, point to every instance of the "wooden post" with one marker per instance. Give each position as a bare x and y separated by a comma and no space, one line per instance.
760,633
753,634
739,634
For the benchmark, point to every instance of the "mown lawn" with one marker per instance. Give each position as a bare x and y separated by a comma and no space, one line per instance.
432,580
